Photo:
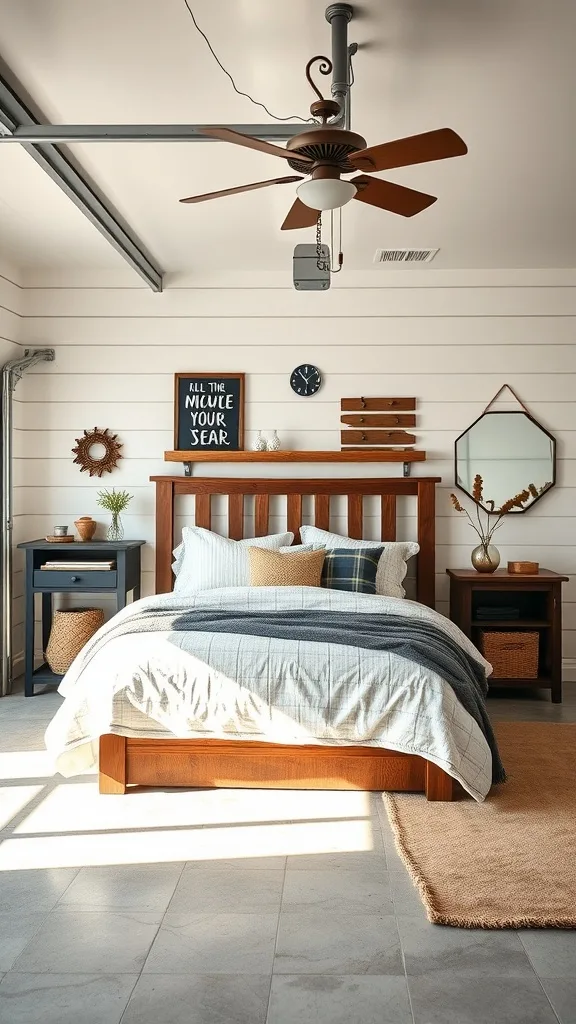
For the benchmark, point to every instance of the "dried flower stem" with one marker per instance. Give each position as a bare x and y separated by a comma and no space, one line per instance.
494,516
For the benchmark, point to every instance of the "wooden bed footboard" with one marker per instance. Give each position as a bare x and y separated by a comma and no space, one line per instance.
252,765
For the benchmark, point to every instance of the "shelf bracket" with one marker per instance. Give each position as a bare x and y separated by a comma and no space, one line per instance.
187,469
406,468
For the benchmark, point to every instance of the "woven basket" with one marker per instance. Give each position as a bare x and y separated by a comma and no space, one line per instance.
512,655
70,631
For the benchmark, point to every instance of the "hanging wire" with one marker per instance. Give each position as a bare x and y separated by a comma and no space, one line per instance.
257,103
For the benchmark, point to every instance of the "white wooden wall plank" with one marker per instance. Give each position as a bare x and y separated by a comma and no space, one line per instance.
346,359
461,331
12,296
10,324
281,302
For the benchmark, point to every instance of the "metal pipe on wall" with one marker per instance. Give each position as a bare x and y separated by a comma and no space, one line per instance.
338,16
11,374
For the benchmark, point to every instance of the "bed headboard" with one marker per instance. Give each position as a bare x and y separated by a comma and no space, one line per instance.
167,487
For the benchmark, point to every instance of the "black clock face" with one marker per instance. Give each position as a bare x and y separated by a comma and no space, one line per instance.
306,380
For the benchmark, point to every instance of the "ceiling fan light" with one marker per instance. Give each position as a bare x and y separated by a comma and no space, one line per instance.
325,193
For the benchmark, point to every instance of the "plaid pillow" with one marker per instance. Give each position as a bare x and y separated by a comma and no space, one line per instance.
351,569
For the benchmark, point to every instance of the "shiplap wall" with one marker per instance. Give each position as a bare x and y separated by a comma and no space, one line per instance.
450,339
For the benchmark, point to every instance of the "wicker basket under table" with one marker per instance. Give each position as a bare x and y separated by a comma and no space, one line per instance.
512,655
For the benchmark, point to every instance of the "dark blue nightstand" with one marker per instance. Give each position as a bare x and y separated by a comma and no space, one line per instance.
119,581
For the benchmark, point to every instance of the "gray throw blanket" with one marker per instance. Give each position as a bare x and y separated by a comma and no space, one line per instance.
417,641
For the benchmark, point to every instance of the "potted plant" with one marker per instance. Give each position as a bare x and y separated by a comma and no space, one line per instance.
115,502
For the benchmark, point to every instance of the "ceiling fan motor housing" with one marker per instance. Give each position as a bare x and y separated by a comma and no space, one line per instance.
325,145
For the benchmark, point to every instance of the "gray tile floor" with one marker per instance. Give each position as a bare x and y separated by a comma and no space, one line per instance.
239,907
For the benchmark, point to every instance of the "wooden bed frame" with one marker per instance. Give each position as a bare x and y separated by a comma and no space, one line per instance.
220,763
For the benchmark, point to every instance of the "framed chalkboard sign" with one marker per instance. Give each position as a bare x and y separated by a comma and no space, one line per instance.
209,412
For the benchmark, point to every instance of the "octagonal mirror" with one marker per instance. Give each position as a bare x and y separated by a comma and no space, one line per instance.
512,452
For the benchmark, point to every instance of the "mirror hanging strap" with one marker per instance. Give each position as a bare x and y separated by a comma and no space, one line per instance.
499,392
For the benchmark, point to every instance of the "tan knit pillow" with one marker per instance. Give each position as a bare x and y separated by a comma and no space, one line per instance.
292,569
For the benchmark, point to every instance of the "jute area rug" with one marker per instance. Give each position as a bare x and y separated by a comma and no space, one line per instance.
511,861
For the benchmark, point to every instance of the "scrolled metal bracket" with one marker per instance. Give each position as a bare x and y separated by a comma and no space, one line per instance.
325,68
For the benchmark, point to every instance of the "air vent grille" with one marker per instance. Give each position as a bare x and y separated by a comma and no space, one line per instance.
404,255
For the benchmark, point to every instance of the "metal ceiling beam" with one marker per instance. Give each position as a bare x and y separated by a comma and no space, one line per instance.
15,114
62,133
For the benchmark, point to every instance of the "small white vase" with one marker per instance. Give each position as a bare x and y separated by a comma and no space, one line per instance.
259,442
273,443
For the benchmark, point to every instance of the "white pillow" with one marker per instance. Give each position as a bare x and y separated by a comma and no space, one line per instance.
392,566
205,560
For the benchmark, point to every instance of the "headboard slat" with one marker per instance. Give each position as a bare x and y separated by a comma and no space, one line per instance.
388,528
294,515
356,516
261,514
203,513
322,511
236,516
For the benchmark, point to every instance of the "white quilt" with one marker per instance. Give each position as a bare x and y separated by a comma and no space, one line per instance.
231,686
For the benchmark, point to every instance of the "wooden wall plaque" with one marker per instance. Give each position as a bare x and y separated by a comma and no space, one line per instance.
377,404
379,419
376,437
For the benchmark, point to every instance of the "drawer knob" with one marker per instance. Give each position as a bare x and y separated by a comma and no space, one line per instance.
75,579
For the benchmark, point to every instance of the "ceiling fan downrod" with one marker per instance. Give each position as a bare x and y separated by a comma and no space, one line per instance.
338,17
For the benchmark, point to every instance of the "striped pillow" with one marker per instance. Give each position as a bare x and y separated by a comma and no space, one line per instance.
206,561
351,569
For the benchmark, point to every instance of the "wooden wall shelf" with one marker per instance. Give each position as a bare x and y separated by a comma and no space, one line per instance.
370,455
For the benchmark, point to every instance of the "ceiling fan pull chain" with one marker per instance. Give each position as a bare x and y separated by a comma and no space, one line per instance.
321,262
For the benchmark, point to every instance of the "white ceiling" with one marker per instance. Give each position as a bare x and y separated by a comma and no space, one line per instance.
500,72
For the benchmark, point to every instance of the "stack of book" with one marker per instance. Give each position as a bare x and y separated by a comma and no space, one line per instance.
78,566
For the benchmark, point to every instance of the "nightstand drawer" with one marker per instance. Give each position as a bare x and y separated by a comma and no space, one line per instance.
81,580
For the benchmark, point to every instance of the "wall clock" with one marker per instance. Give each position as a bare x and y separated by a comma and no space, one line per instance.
306,380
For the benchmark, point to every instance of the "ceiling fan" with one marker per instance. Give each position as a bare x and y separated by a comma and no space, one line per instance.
325,153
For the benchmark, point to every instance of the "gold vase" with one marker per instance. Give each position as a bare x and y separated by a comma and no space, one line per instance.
485,558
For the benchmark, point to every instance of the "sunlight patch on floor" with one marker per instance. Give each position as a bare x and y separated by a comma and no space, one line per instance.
13,799
26,764
79,807
170,845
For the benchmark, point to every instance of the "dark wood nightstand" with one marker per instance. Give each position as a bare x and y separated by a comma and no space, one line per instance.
536,603
118,582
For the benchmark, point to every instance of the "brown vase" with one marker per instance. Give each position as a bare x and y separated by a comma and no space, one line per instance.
71,630
86,527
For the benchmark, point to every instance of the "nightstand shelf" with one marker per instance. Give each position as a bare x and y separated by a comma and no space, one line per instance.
44,674
536,601
512,623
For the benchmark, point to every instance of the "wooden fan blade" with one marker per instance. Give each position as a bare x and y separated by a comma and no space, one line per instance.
228,135
416,149
395,198
300,216
241,188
